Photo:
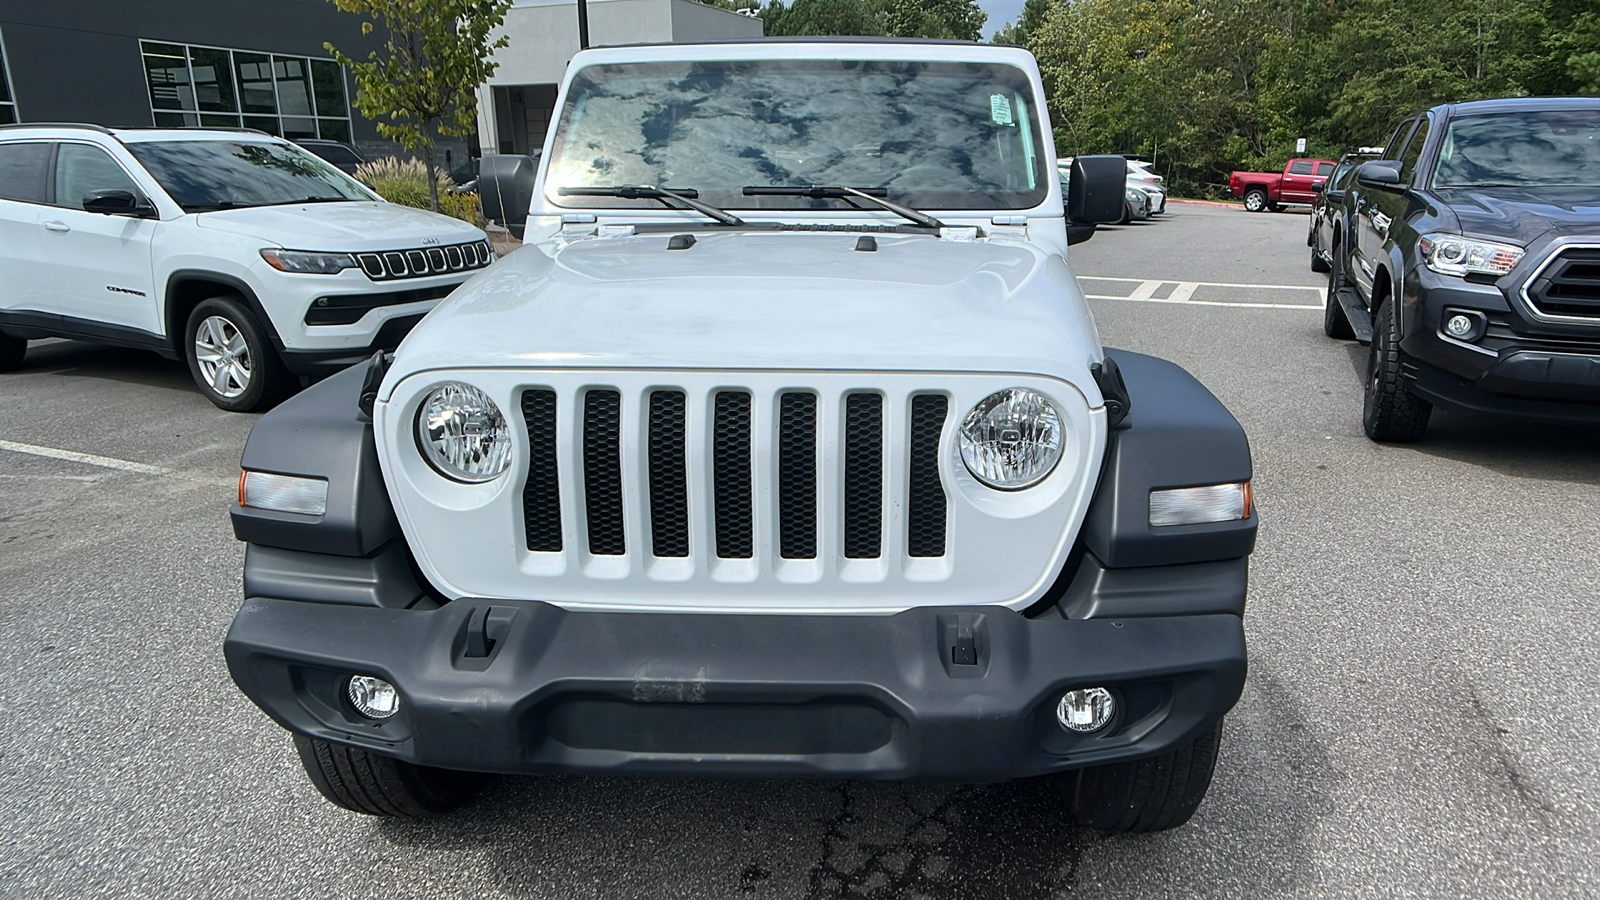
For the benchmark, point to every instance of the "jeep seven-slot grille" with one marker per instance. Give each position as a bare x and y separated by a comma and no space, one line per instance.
1569,285
729,443
427,261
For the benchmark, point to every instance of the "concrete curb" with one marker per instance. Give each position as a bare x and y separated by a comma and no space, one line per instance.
1217,203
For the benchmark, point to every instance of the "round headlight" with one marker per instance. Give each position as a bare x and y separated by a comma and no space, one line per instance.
462,434
1012,439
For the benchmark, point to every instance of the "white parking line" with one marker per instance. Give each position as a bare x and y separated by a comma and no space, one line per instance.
1183,292
88,459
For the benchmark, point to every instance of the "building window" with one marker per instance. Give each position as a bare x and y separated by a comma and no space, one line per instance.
8,102
211,87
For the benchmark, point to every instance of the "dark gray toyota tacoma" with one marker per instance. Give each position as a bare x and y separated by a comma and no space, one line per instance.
1471,263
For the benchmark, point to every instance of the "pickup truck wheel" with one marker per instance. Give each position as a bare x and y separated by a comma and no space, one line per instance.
1389,414
1334,322
380,786
1146,794
1255,200
230,357
12,350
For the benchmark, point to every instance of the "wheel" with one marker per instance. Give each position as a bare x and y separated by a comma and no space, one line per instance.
381,786
1318,264
1389,413
12,350
230,357
1127,213
1255,200
1335,323
1146,794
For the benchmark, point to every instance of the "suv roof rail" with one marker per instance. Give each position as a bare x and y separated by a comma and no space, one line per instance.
196,128
84,125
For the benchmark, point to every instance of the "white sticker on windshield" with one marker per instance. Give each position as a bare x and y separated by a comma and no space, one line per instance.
1000,109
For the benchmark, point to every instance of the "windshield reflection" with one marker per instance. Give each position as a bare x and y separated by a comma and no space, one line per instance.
936,135
206,175
1551,147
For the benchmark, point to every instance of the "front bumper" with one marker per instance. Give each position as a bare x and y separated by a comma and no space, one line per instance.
519,686
1510,365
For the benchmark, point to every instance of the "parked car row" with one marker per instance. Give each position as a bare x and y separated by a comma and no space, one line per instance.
1467,256
245,255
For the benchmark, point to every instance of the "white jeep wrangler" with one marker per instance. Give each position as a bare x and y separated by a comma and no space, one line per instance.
239,252
785,448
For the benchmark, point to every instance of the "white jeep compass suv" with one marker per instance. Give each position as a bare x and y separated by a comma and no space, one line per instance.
245,255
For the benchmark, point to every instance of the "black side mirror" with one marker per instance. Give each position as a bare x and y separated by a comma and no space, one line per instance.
1096,190
114,203
1318,187
505,184
1379,173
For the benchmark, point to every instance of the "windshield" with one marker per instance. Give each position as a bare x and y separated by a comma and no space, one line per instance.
1549,147
935,135
206,175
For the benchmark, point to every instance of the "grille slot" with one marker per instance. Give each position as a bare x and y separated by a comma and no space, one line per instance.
1569,285
797,475
730,475
541,496
602,471
925,502
669,475
863,476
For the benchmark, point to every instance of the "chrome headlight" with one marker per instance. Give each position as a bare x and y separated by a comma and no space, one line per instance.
463,434
301,262
1012,439
1452,254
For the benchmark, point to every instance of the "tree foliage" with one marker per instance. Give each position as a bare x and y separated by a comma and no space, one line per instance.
425,83
1206,87
950,19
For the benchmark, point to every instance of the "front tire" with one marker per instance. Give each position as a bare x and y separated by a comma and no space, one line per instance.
382,786
1318,264
1335,323
1127,213
231,359
1390,414
12,350
1255,200
1147,794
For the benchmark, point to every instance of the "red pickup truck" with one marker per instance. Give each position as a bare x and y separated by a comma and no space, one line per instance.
1269,190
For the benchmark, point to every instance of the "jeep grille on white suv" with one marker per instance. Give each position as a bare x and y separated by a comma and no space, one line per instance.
426,261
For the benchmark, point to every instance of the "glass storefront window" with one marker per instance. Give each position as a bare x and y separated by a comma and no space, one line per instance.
214,87
8,103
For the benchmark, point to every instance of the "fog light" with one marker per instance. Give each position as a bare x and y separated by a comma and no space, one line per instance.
1458,326
1086,709
373,697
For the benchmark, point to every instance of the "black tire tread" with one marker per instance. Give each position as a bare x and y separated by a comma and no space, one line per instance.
376,785
1147,795
1390,413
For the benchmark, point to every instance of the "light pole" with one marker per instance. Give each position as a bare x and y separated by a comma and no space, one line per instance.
583,25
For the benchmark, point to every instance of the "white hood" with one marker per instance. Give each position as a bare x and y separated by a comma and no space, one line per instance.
766,300
353,226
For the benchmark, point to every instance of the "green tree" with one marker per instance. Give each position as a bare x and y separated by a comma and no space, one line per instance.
425,84
959,20
824,17
1016,33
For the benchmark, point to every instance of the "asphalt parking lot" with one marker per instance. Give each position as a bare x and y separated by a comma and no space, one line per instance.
1420,718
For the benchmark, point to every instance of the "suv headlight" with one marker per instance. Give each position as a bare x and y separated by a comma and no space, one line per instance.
1452,254
303,262
462,434
1012,439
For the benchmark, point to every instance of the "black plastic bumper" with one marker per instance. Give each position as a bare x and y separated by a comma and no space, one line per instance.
516,686
322,363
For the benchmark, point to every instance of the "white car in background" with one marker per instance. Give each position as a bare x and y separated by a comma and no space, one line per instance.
1153,186
239,252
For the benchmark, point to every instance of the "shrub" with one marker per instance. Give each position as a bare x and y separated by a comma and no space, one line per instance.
405,181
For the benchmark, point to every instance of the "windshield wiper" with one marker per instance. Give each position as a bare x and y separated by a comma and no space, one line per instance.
213,206
651,192
875,195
